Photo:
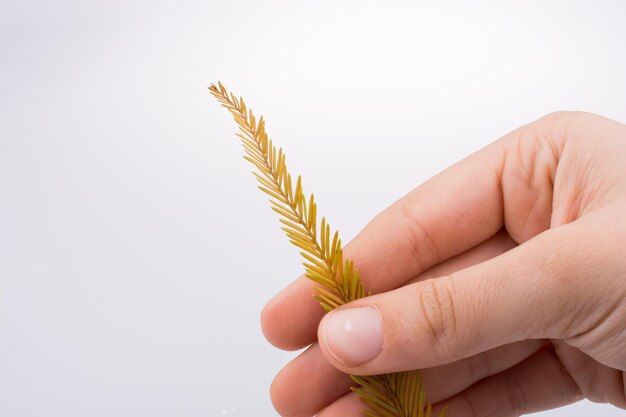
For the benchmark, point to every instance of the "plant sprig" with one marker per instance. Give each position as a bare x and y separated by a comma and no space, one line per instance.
390,395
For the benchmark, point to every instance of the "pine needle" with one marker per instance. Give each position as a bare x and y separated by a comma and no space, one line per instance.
391,395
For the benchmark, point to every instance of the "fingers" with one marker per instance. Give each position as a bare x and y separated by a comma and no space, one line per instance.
508,183
309,383
536,290
444,381
597,382
291,318
538,383
347,406
490,248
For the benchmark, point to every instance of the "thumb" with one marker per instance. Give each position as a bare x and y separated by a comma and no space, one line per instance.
532,291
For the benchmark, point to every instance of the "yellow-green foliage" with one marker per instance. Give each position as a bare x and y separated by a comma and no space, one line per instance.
392,395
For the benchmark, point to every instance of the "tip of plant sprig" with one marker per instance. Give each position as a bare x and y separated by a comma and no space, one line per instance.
218,88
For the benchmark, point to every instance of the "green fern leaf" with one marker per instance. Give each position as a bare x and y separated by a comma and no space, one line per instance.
390,395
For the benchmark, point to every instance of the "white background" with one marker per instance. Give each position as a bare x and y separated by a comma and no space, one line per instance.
135,250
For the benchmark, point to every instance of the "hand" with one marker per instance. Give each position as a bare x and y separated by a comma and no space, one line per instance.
503,278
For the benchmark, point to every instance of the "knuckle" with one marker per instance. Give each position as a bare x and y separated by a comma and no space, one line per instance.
439,318
465,403
516,401
477,367
558,116
567,117
420,238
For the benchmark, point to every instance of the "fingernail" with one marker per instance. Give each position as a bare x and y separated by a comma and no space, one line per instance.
353,336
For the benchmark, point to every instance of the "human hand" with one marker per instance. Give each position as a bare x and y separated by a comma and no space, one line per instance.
503,278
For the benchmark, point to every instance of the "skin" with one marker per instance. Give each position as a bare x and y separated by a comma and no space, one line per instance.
503,278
